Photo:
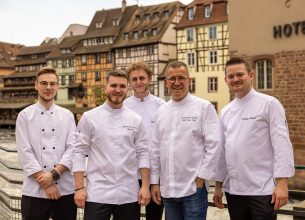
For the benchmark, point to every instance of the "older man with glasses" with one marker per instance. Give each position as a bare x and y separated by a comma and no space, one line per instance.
44,137
184,149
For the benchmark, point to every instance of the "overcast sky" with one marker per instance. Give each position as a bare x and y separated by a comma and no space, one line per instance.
29,22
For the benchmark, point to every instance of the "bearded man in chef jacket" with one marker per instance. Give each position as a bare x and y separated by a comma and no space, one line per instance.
256,157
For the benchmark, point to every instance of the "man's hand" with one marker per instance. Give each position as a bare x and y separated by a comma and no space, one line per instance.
45,180
217,198
155,193
52,192
199,182
280,193
144,196
80,197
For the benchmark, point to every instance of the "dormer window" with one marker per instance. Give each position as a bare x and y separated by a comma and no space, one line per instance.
115,22
147,17
135,35
154,31
207,11
190,13
99,25
125,36
166,13
156,15
138,17
145,33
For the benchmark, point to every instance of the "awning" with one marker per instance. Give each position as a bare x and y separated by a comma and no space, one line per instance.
14,105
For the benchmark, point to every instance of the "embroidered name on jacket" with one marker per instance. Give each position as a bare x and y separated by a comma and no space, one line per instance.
248,118
131,128
189,118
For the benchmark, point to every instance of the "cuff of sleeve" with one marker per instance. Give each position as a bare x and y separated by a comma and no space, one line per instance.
144,163
154,179
79,164
66,163
30,172
284,171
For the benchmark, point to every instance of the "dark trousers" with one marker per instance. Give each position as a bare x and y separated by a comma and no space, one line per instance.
33,208
101,211
152,210
250,207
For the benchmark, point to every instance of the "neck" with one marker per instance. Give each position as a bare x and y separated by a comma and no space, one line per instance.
114,105
243,94
46,104
142,95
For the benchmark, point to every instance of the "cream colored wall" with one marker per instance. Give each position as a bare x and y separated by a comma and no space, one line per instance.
251,25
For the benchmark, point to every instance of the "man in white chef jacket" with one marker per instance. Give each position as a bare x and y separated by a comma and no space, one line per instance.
44,139
115,141
146,105
256,155
184,149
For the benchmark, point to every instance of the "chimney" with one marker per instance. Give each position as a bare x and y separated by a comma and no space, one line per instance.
123,6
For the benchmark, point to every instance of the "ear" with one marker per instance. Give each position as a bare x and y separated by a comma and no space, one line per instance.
251,75
36,84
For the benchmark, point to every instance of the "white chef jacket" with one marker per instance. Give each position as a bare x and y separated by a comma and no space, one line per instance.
186,146
45,138
147,109
114,140
256,146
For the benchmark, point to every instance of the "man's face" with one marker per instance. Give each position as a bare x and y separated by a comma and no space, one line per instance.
116,90
178,82
238,79
139,81
47,86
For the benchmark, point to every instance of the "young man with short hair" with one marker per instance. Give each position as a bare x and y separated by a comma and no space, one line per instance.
256,155
146,105
44,139
114,139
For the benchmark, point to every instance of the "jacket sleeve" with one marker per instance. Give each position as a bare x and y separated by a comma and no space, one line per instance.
81,145
66,158
141,146
211,134
282,148
27,157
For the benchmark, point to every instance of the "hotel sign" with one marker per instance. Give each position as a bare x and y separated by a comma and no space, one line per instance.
287,30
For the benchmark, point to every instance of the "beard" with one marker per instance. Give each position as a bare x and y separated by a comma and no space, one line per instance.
115,100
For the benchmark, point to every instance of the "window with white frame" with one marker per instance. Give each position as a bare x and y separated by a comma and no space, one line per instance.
190,34
83,59
145,33
264,74
84,76
207,11
192,86
212,32
213,57
191,58
97,75
154,31
63,80
135,35
212,84
108,57
190,13
125,36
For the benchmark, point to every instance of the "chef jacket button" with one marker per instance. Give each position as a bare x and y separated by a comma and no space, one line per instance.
56,183
43,148
54,166
51,112
42,129
53,129
53,148
45,166
42,113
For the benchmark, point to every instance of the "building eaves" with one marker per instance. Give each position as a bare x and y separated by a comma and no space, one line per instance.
30,61
92,49
20,74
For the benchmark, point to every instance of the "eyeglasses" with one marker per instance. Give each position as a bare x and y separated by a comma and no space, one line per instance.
141,78
181,79
45,84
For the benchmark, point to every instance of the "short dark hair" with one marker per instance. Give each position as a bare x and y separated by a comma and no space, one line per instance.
47,70
176,64
117,73
237,60
139,66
